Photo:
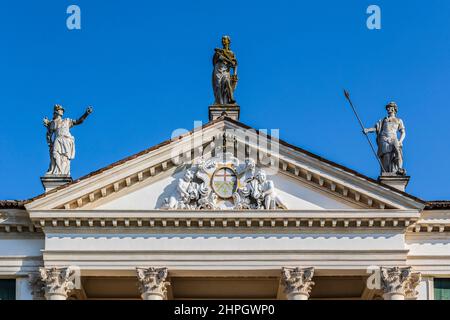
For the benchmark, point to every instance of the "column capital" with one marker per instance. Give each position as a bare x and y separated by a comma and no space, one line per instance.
152,283
399,282
57,282
297,282
36,286
411,285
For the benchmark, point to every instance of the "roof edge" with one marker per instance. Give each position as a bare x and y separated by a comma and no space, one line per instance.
438,205
12,204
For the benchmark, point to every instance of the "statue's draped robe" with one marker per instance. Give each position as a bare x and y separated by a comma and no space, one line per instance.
221,78
63,146
389,149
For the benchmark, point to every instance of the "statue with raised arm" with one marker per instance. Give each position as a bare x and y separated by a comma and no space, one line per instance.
389,143
224,83
60,142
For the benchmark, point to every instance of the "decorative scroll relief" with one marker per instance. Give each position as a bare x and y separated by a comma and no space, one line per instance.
222,182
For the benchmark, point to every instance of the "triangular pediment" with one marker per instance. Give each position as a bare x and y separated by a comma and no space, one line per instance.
302,180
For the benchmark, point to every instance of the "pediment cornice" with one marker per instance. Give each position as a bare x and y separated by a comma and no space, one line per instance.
345,185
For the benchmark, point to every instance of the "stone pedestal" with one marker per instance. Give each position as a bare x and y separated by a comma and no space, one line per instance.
396,181
51,181
229,110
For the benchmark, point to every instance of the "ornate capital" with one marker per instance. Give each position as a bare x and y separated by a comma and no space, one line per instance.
152,283
297,281
36,285
57,282
411,285
399,282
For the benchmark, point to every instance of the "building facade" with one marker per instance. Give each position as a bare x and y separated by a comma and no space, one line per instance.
223,212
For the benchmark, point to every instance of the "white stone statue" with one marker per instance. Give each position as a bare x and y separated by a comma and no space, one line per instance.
389,144
266,191
60,142
187,192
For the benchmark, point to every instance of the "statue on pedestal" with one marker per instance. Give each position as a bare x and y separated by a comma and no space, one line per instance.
389,144
60,142
224,83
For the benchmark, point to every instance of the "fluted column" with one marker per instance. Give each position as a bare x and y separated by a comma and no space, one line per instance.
399,282
57,282
297,282
152,283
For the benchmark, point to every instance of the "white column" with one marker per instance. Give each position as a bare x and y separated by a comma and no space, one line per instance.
297,282
152,283
399,283
57,282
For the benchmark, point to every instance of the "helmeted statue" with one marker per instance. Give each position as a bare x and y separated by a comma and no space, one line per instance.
60,142
224,83
389,144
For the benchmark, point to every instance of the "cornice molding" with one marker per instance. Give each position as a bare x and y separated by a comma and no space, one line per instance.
436,226
248,219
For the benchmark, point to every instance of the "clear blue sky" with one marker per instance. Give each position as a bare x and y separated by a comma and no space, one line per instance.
145,66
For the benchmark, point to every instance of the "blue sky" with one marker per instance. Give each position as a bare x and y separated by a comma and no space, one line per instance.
145,66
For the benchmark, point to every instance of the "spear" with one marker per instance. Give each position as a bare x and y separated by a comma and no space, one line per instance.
347,96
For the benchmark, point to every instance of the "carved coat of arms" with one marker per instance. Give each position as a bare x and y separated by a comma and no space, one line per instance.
222,182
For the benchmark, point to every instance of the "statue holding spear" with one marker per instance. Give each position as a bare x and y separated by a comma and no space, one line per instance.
390,145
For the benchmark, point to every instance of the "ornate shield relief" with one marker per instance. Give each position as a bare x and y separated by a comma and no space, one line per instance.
222,182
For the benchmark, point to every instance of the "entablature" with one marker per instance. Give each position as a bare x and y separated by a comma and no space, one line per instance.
289,219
